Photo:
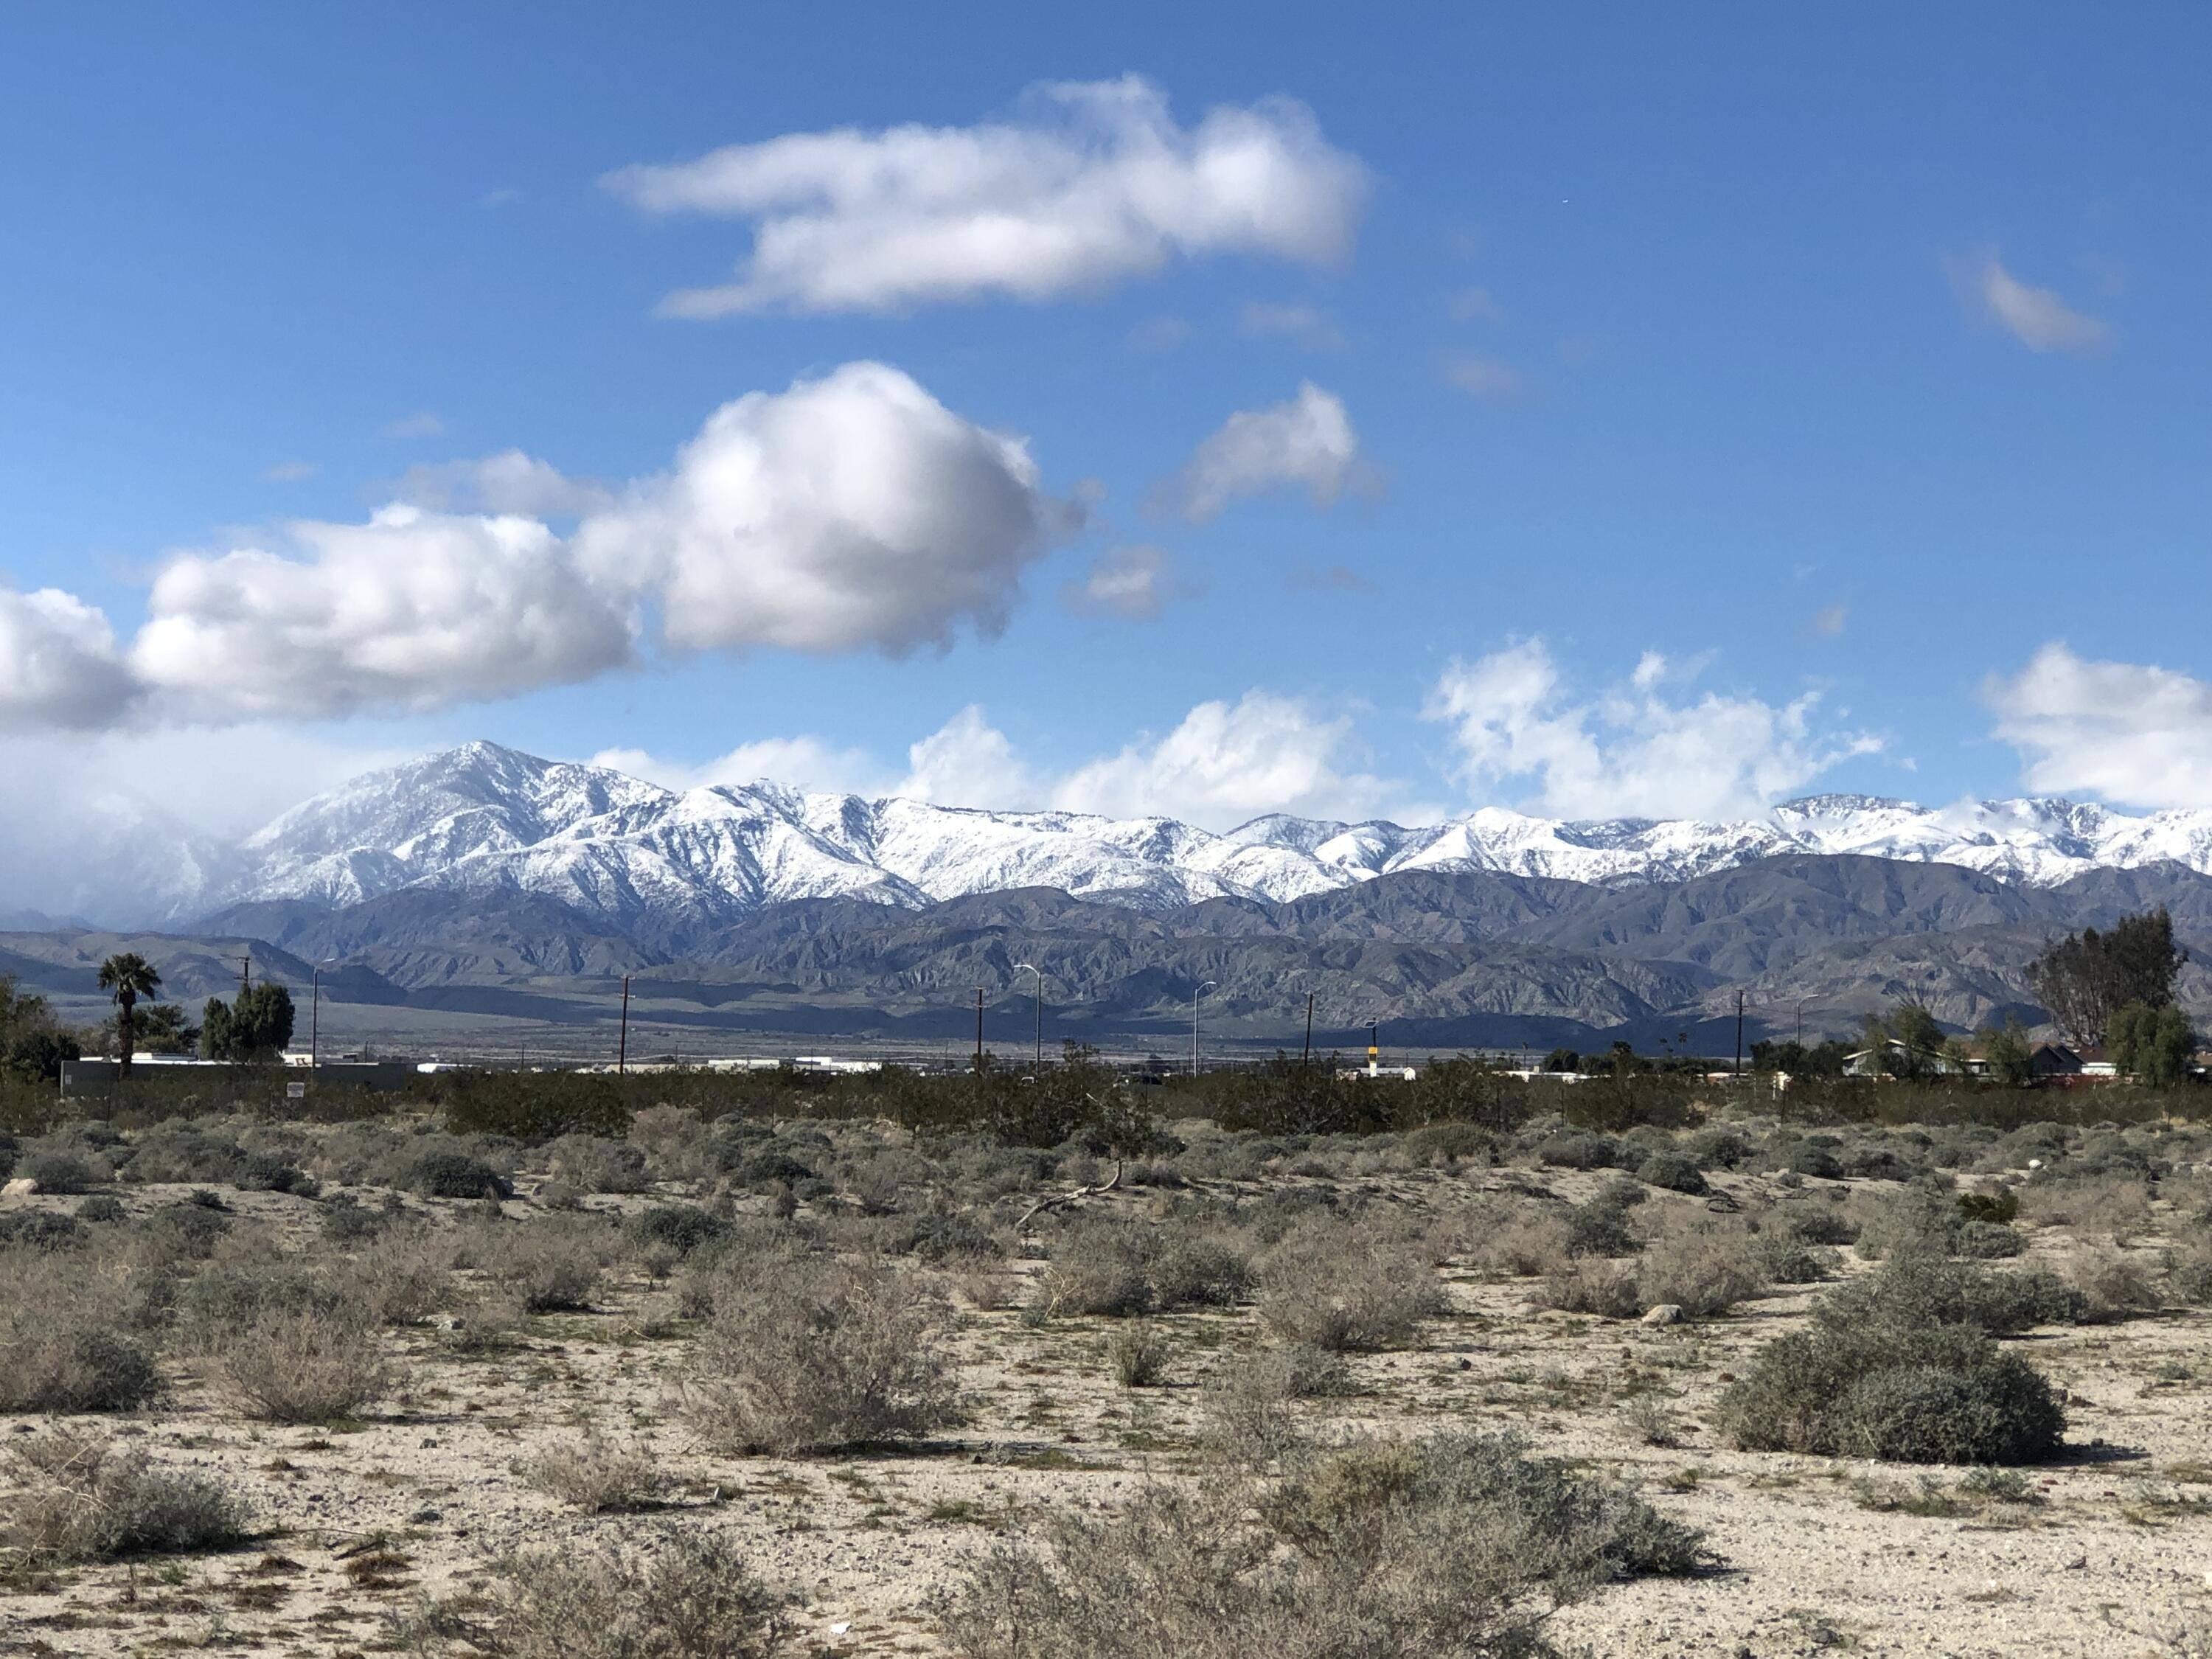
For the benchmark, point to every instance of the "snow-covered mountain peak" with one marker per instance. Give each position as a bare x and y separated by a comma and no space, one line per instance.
487,817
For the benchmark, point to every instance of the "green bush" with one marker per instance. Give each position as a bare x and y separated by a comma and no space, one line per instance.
78,1499
454,1174
682,1228
678,1594
1675,1171
59,1172
1901,1367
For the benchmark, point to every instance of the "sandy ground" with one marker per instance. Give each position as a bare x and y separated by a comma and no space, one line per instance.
2112,1557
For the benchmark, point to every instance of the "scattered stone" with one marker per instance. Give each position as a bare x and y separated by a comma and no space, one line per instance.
1667,1312
21,1187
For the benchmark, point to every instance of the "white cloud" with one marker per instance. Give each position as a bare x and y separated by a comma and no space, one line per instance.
1134,582
1222,765
968,761
1829,620
1306,325
802,762
1307,441
851,511
854,512
58,664
422,425
1096,183
2126,732
1227,763
290,471
1485,378
411,611
1632,752
509,481
2036,317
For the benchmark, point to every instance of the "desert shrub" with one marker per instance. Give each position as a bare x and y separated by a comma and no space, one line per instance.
1931,1291
453,1175
182,1232
305,1366
1270,1218
2111,1285
825,1354
102,1207
1704,1270
1716,1149
2189,1273
1449,1144
552,1265
1592,1284
1882,1373
1812,1157
345,1221
1600,1228
1136,1355
2117,1207
1677,1172
1578,1149
939,1236
400,1277
1189,1269
1817,1221
221,1299
1921,1217
64,1173
1784,1259
1347,1286
79,1500
178,1150
594,1475
2001,1205
1987,1241
678,1594
682,1228
1456,1544
1521,1244
594,1165
40,1230
66,1341
1099,1267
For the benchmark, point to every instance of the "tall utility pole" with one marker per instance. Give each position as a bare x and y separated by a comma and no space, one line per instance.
979,1031
1036,1068
1739,1034
1308,1061
315,1022
245,975
622,1048
1195,996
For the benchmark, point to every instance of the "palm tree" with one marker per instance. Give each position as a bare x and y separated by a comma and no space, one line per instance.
126,976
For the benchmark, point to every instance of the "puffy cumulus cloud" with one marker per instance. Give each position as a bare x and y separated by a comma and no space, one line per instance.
509,481
1094,184
968,761
2126,732
848,512
803,762
1638,751
58,663
1484,378
2036,317
1226,762
1137,583
411,611
855,511
1305,441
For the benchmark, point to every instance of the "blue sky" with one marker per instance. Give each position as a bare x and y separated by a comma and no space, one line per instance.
1741,401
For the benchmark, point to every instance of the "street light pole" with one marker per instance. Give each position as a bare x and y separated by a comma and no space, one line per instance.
1195,996
1308,1060
1036,1068
315,1022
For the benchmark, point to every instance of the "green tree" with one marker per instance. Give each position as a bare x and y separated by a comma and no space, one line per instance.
126,976
2155,1044
255,1027
1920,1037
2086,978
2006,1049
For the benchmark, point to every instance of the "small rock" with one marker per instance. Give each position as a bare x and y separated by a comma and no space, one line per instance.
1667,1312
21,1187
2079,1564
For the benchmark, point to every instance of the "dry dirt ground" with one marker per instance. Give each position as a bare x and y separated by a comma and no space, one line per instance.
2111,1553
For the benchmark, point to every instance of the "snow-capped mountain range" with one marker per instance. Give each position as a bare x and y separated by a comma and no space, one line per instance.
484,819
